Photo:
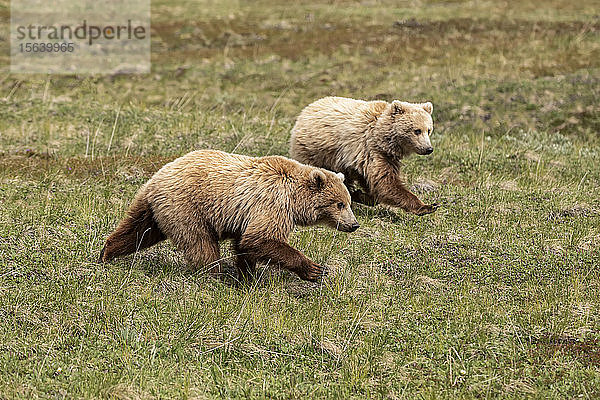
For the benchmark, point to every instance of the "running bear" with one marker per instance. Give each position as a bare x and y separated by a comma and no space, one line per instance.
208,195
365,140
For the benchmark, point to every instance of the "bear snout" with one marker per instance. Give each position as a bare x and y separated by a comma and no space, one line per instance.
424,151
349,228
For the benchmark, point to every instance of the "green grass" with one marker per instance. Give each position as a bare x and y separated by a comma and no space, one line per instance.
495,295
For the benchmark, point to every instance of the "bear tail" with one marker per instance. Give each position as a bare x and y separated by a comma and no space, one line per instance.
137,231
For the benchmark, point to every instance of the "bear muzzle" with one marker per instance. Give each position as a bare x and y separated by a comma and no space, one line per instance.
346,221
348,228
424,151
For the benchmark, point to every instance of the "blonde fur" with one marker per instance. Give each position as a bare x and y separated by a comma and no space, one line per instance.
365,140
207,195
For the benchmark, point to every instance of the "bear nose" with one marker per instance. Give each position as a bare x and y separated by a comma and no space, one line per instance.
429,150
354,227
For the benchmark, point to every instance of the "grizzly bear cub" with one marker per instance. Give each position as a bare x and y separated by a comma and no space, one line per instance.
366,140
206,196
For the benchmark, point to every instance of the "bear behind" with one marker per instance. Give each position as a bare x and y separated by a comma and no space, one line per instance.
365,140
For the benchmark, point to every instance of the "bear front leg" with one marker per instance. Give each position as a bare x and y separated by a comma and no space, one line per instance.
405,199
389,189
399,196
272,251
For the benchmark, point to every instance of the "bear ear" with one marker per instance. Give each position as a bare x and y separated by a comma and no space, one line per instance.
398,107
341,176
317,178
427,107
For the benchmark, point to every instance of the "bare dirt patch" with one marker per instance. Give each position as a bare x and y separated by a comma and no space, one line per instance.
411,40
586,351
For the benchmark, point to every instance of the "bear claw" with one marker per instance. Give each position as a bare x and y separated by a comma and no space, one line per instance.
427,209
315,273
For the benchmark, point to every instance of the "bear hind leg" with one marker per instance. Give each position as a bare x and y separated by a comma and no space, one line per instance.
137,231
358,188
245,264
201,249
358,196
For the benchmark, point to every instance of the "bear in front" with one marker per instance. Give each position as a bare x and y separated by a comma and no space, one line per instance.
208,195
366,140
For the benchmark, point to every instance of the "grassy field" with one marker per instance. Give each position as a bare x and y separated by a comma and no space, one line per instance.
497,294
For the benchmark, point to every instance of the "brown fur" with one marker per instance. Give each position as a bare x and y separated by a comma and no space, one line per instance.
366,141
207,196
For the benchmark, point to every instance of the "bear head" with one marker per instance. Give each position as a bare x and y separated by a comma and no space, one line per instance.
328,202
408,127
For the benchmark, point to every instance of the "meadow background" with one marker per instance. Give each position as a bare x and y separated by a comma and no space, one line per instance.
497,294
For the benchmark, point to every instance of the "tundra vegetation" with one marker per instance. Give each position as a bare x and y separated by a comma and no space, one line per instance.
496,294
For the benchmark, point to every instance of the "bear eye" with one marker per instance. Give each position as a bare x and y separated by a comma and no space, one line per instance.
340,205
417,131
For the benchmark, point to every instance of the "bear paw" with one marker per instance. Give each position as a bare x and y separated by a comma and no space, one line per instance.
427,209
314,273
